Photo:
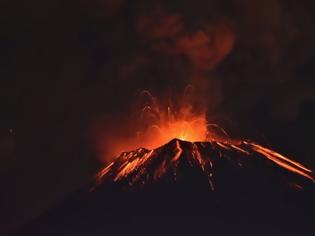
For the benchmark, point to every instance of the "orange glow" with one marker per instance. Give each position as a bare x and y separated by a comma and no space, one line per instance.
184,126
136,164
153,126
159,126
284,161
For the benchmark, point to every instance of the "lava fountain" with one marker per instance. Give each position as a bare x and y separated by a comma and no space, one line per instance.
173,138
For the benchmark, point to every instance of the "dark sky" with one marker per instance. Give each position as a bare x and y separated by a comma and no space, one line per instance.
66,63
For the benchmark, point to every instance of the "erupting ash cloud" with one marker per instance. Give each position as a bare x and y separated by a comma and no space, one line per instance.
153,125
226,52
202,48
197,51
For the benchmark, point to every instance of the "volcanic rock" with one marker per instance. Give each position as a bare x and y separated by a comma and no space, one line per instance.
184,188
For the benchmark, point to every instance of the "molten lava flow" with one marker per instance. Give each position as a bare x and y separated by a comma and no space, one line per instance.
193,142
283,161
143,166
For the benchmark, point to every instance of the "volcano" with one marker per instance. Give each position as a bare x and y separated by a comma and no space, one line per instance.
190,188
178,160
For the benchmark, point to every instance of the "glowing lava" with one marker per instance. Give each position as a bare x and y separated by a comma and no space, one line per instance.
158,124
142,166
184,126
184,137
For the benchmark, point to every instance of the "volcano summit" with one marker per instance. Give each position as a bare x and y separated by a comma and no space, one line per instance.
189,188
211,160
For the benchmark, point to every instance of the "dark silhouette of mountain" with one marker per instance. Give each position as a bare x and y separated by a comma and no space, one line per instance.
184,188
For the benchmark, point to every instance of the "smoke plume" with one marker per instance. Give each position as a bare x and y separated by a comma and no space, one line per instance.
225,51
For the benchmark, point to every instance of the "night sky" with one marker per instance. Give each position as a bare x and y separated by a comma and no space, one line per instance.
66,65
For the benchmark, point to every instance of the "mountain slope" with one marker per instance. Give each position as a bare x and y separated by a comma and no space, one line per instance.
142,167
184,188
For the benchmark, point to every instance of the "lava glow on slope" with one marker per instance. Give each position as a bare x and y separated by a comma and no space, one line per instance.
172,137
142,166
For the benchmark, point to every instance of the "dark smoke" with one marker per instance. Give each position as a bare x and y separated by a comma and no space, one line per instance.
261,46
249,61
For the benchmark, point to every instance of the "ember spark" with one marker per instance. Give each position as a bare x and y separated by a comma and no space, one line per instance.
172,137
